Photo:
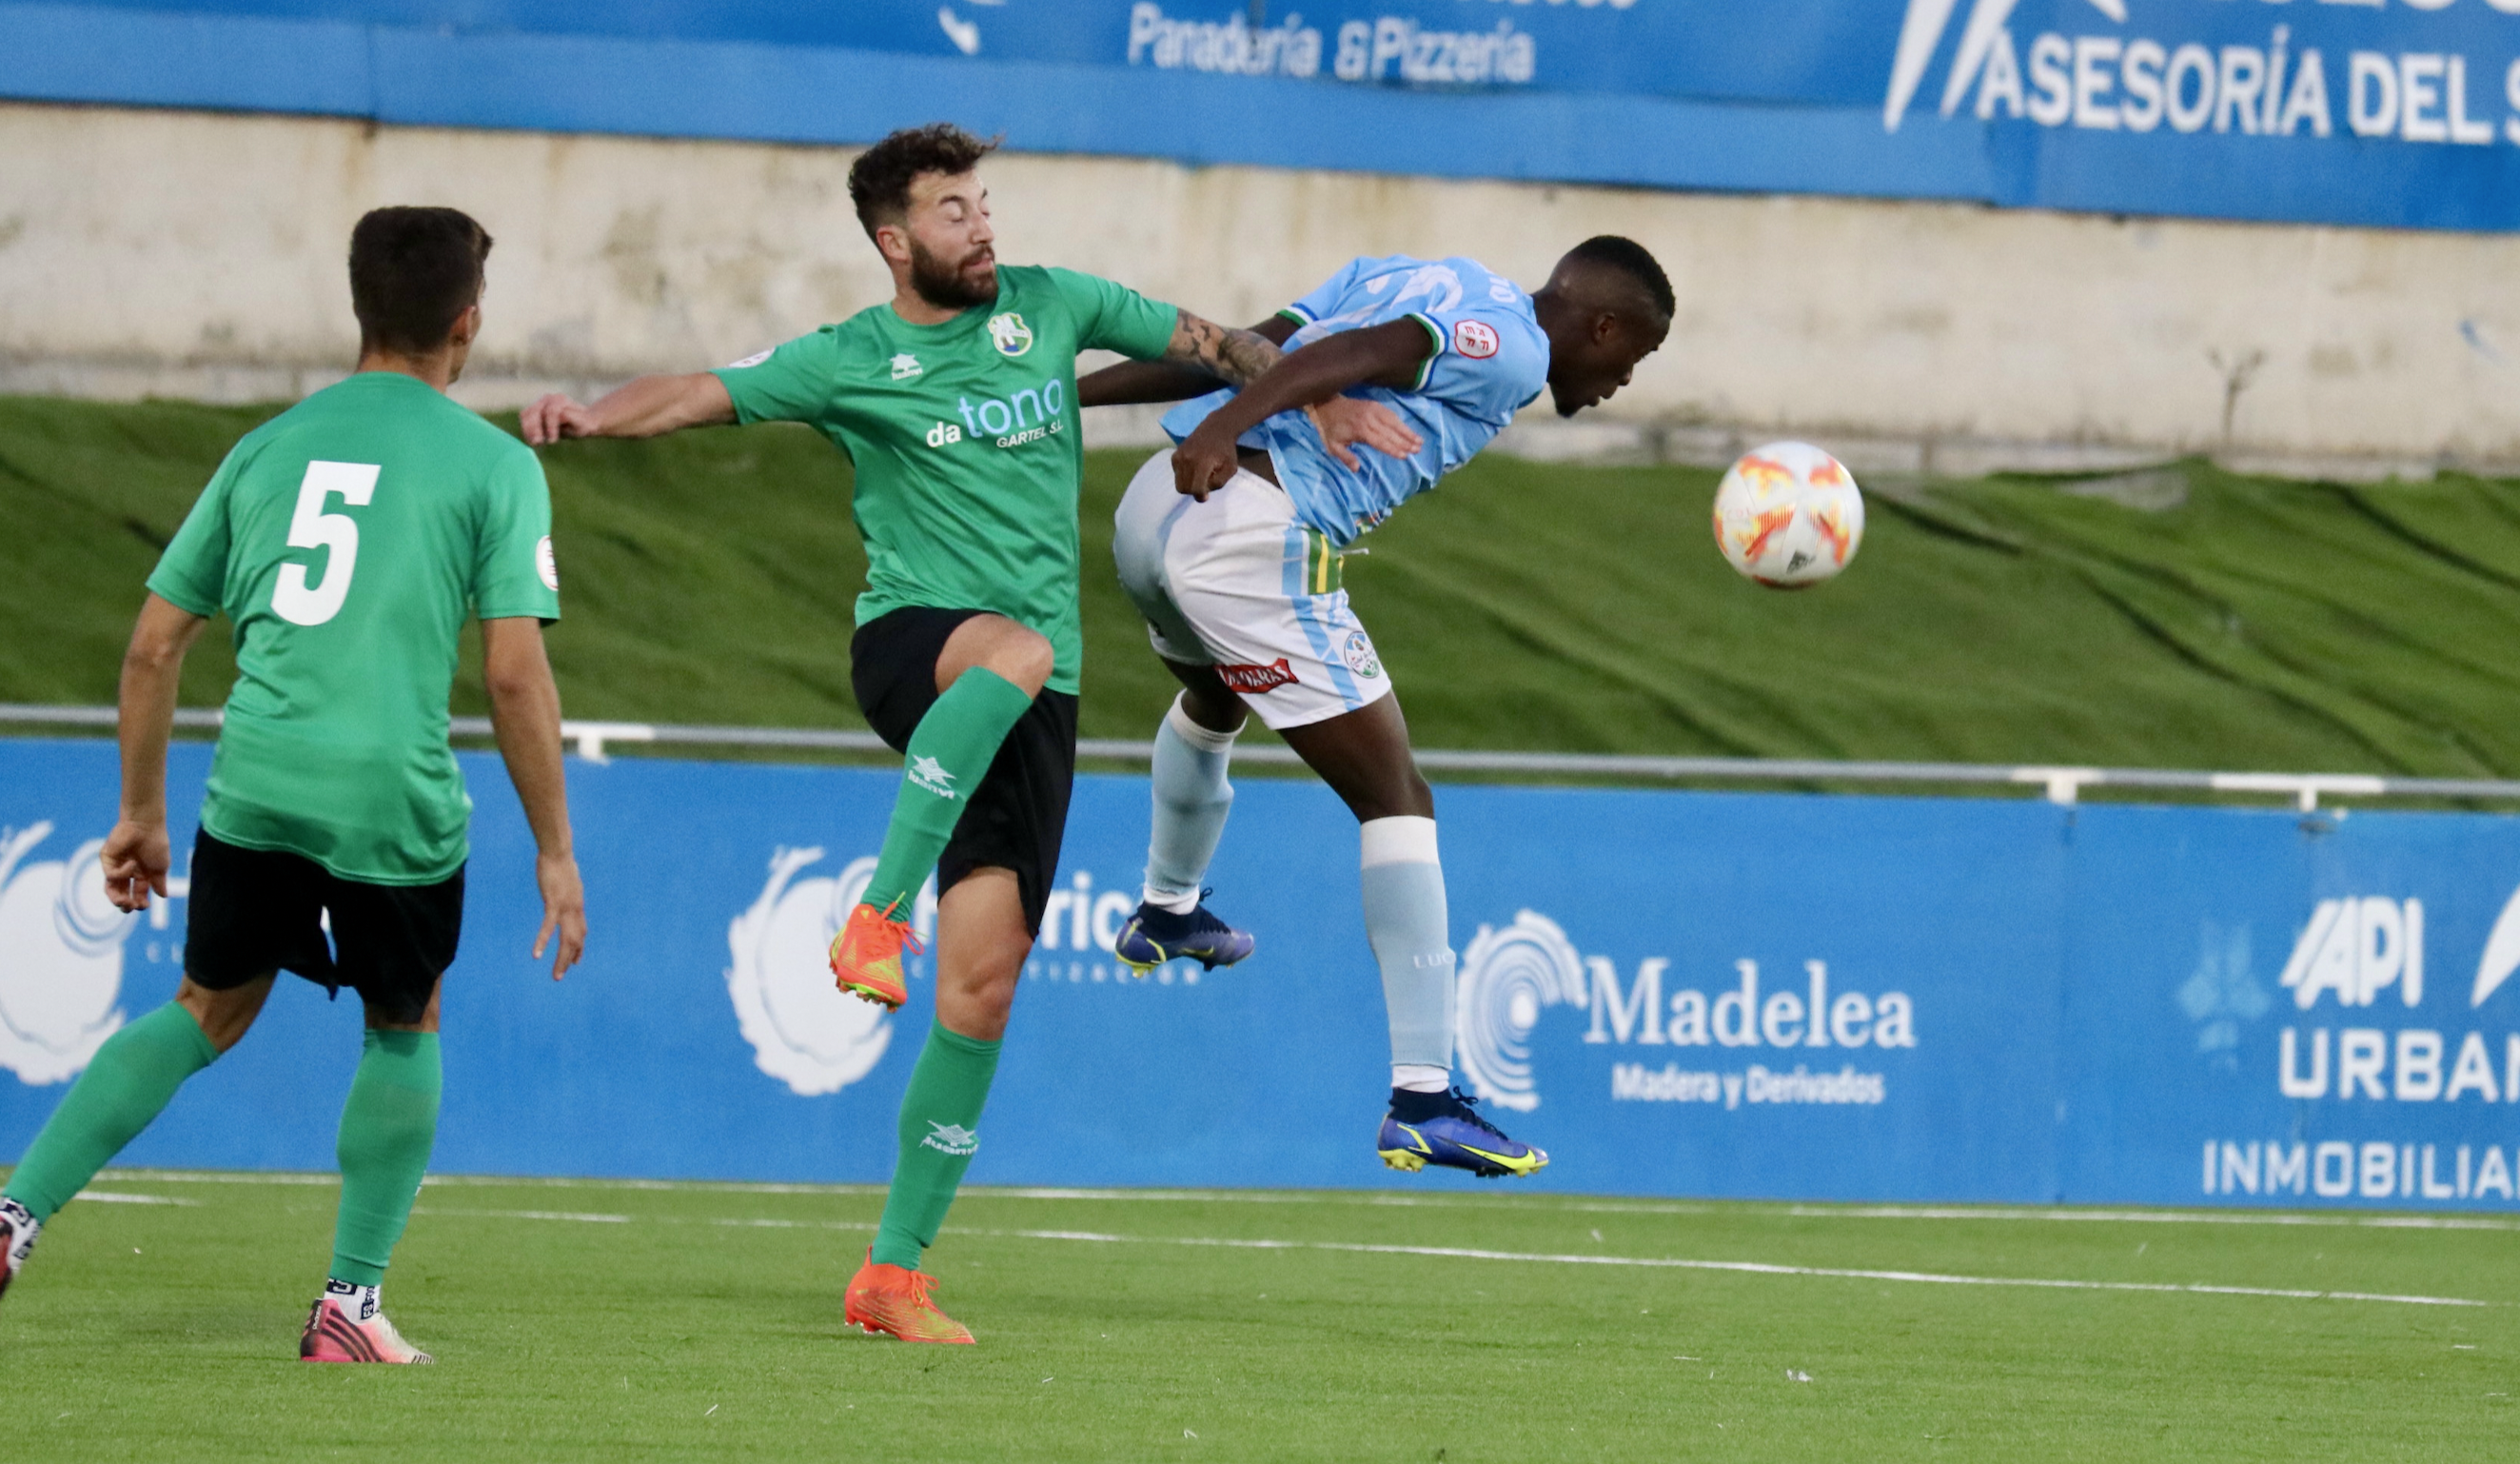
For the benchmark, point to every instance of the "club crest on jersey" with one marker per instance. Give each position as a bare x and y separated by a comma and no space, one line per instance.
1254,680
1474,338
1010,335
905,366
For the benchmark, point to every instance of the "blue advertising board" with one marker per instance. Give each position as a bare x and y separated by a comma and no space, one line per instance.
2389,113
1676,994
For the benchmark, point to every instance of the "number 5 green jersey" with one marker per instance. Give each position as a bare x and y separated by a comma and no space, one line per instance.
965,438
349,539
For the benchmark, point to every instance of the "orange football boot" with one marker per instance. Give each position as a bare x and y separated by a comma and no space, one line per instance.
893,1299
866,956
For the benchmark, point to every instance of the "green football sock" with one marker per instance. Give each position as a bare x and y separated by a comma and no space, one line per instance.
127,1083
948,755
387,1128
940,1118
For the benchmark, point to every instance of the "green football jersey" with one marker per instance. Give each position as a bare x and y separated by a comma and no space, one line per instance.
965,438
349,539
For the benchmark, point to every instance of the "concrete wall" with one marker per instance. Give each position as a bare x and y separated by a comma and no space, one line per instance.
199,255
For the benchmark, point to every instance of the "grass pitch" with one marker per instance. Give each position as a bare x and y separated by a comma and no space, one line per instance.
2180,616
600,1320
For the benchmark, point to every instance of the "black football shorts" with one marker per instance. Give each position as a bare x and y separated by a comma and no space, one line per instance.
251,912
1018,815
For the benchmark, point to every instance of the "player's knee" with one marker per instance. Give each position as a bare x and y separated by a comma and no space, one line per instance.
1216,710
1024,657
1418,800
1404,794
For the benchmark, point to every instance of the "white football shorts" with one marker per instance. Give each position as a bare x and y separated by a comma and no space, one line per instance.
1239,584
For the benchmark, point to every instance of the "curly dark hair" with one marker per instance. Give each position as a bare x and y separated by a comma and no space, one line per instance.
880,180
412,272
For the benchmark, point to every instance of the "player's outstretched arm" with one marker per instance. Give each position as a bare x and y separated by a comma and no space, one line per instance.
648,407
1237,358
524,715
1383,355
1177,377
135,857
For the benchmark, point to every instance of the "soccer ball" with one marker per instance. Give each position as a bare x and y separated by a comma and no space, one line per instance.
1788,515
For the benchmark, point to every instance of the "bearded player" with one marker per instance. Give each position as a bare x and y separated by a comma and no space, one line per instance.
347,540
1230,546
955,402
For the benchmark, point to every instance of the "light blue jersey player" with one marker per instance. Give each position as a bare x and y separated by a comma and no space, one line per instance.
1487,359
1229,545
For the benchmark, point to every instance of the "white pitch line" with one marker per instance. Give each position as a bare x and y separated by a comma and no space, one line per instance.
1523,1203
2150,1217
117,1197
1754,1268
580,1217
1542,1258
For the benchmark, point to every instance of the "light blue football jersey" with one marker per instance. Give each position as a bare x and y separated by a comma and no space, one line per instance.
1490,362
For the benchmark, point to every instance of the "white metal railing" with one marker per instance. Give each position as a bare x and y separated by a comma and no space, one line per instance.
2060,785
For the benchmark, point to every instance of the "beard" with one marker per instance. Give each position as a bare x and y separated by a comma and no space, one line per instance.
953,287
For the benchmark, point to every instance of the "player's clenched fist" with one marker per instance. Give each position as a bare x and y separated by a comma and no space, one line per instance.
1204,462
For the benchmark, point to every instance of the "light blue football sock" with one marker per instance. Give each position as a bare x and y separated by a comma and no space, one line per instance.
1191,800
1407,920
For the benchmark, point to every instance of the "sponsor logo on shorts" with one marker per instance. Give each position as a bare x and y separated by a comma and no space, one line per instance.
905,366
951,1138
1476,339
1010,335
1359,655
930,774
1254,680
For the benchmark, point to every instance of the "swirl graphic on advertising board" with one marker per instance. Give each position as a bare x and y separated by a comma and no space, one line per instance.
803,1032
1507,977
60,958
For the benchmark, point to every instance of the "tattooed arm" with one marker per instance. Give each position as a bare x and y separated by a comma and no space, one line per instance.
1204,356
1179,376
1235,358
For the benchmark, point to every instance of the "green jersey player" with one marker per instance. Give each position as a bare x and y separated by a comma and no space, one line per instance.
347,540
957,403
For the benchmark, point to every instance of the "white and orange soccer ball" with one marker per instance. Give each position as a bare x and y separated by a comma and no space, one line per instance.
1788,515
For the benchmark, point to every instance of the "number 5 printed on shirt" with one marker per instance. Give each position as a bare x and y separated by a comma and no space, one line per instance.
311,527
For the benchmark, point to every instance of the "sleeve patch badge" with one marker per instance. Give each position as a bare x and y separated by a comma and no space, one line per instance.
547,565
1474,338
754,359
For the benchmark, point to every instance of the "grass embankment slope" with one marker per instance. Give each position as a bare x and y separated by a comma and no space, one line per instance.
2181,618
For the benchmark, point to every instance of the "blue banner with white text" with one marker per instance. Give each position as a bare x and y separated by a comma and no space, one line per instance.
1676,994
2386,113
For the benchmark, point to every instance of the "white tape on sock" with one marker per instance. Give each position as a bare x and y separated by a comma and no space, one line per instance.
1205,739
1402,840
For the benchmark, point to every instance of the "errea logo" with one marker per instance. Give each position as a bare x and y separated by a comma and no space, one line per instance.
952,1138
932,775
